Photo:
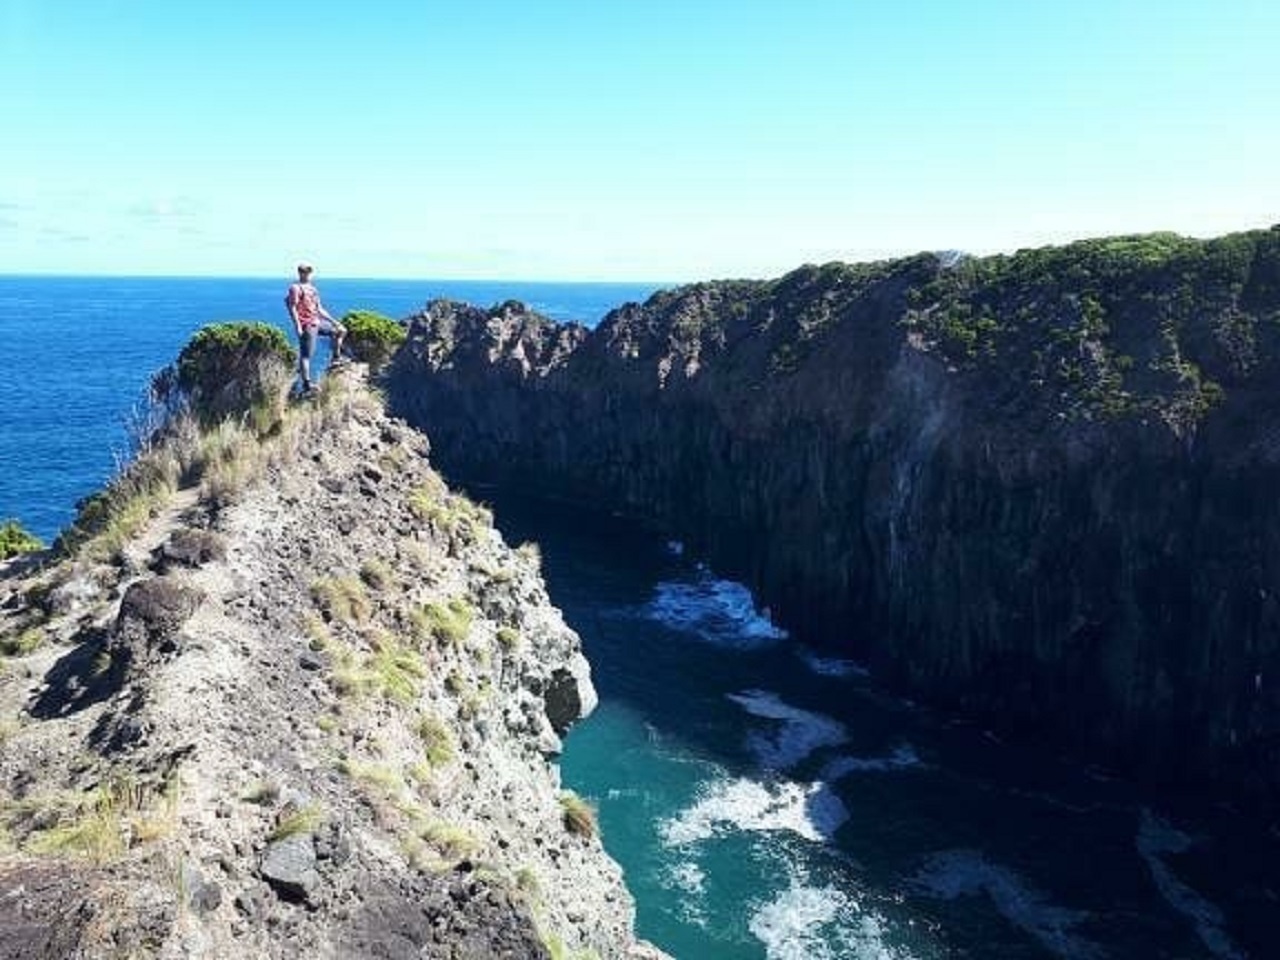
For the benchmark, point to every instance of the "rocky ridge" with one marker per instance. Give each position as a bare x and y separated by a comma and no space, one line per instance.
1037,489
311,712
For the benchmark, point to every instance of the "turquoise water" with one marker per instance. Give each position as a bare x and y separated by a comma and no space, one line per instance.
766,801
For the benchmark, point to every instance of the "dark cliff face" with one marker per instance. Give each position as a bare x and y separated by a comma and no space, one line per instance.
1043,489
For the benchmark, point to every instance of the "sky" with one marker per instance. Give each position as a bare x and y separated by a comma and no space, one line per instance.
651,140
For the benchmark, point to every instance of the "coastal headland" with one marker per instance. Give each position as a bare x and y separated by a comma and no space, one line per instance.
279,692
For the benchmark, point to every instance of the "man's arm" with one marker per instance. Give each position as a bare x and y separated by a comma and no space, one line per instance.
291,302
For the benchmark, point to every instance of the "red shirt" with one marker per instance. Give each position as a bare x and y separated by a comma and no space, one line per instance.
304,300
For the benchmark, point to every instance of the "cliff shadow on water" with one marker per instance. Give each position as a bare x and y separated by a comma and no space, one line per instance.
1037,489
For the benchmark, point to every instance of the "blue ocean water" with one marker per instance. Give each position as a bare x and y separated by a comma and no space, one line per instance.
767,802
80,352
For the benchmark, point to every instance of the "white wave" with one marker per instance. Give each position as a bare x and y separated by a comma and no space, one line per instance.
689,877
903,757
797,734
1156,837
720,612
810,810
832,666
687,881
960,873
819,923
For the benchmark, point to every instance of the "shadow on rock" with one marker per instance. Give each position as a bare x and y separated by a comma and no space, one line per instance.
78,679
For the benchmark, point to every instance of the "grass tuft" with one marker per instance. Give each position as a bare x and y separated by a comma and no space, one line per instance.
448,622
343,599
396,669
21,644
579,816
437,741
303,820
377,574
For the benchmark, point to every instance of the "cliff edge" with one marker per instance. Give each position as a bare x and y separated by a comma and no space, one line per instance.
283,694
1037,489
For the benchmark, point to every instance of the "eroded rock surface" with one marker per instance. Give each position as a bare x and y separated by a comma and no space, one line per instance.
305,713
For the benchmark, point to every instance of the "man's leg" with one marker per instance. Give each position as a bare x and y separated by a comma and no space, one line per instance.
306,346
336,333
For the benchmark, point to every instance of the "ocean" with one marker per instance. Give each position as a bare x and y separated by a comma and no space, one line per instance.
766,800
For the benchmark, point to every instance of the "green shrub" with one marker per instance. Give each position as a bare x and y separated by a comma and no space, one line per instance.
234,368
21,644
15,540
371,337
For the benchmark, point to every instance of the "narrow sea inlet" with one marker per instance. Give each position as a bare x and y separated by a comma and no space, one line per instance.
766,800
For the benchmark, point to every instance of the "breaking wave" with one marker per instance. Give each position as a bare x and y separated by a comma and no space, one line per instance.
809,810
720,612
795,736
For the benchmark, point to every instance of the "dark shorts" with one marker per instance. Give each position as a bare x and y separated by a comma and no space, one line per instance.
322,328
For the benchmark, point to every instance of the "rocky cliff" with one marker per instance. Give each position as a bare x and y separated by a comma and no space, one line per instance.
283,694
1038,489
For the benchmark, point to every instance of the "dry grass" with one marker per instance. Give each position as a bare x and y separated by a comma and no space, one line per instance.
343,599
386,781
437,740
509,638
377,574
448,513
447,622
99,824
452,842
396,670
109,520
579,816
303,820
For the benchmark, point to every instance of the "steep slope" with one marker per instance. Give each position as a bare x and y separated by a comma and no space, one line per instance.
1038,488
305,708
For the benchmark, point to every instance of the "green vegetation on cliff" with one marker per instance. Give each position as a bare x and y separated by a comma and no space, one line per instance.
226,392
1155,327
1038,488
1145,326
371,337
234,368
15,540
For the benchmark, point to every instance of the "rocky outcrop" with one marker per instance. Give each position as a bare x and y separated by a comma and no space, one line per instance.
308,708
1038,489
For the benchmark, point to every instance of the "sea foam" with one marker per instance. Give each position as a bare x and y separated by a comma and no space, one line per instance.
965,873
820,923
831,666
796,734
687,881
1156,837
904,757
720,612
809,810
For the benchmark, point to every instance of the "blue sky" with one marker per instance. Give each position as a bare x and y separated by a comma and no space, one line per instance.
654,140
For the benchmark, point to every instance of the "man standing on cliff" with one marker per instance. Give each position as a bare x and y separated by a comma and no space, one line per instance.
310,321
